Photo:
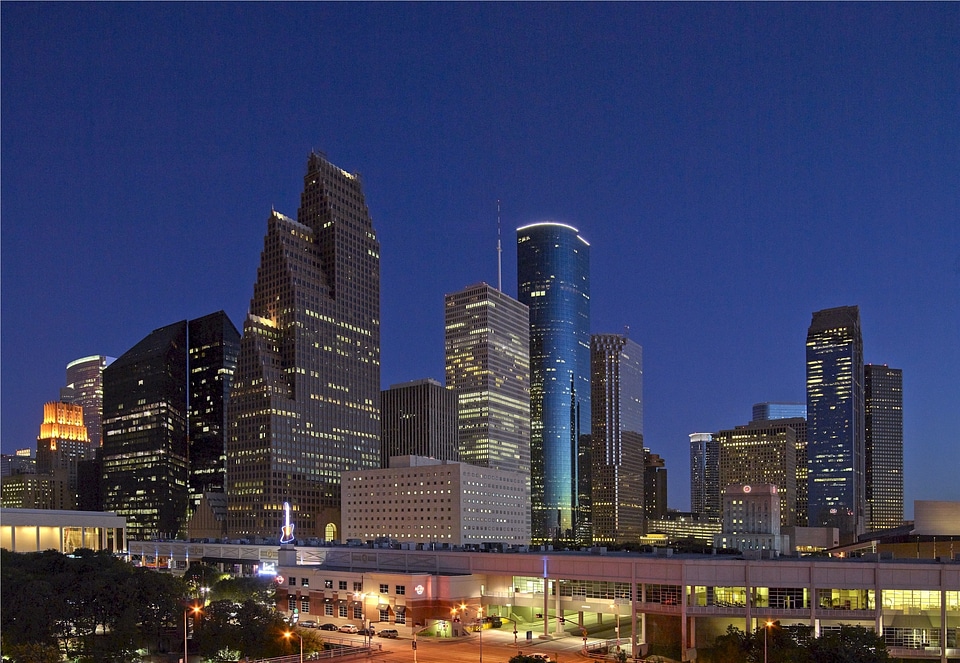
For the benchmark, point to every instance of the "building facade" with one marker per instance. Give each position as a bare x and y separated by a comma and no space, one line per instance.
305,402
85,388
616,426
778,410
751,519
423,500
144,453
883,407
835,419
762,452
63,444
705,488
654,486
487,359
213,347
418,418
553,273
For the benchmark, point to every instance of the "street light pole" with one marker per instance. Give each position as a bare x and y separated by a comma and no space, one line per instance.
480,624
290,634
187,609
766,627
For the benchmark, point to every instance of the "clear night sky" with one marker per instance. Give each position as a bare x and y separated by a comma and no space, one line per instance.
735,167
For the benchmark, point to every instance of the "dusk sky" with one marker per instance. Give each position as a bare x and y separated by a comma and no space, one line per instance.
735,167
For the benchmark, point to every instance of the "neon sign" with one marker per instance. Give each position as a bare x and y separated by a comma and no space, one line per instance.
286,532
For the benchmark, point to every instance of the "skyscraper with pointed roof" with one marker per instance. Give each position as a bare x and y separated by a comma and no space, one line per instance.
305,403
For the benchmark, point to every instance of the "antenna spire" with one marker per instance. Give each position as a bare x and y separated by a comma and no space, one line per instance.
499,252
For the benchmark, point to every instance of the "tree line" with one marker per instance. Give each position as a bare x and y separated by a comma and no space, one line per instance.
92,607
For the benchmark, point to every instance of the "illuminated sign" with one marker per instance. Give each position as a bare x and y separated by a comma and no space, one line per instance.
418,589
286,532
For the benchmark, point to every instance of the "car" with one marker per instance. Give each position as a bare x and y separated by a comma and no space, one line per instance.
329,627
389,633
365,631
308,624
541,656
349,628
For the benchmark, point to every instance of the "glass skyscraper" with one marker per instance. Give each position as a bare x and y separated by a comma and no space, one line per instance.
418,418
705,489
616,401
553,273
213,346
883,399
835,422
85,388
305,403
778,410
144,453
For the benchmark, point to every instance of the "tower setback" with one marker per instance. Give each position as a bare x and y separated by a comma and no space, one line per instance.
305,402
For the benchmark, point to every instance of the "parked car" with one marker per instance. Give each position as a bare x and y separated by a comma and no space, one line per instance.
308,624
349,628
389,633
329,627
365,631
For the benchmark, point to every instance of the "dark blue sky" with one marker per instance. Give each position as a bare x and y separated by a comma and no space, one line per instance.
734,166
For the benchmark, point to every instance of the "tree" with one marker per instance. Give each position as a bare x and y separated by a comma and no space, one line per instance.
851,644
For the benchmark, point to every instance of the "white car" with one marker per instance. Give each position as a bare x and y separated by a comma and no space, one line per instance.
348,628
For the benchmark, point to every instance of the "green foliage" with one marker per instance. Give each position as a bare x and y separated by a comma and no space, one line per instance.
256,630
32,653
88,606
795,644
258,589
200,576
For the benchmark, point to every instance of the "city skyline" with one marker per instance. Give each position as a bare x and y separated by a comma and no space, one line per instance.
734,167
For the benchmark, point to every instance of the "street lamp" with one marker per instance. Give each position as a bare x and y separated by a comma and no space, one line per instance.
290,634
480,625
766,627
195,609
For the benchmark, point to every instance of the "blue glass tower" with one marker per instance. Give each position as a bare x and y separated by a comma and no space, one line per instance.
553,273
835,420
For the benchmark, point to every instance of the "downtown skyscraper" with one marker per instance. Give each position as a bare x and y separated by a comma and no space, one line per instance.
418,418
305,404
144,453
616,428
212,359
883,407
553,274
836,495
85,388
487,364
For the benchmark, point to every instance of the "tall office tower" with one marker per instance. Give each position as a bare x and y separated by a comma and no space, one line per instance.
553,274
62,444
487,350
705,489
654,486
835,416
883,400
213,347
762,452
144,452
616,425
305,403
778,410
85,388
418,418
22,461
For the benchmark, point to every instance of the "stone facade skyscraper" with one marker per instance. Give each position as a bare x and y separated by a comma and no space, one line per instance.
616,426
883,407
553,274
305,403
487,351
835,422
